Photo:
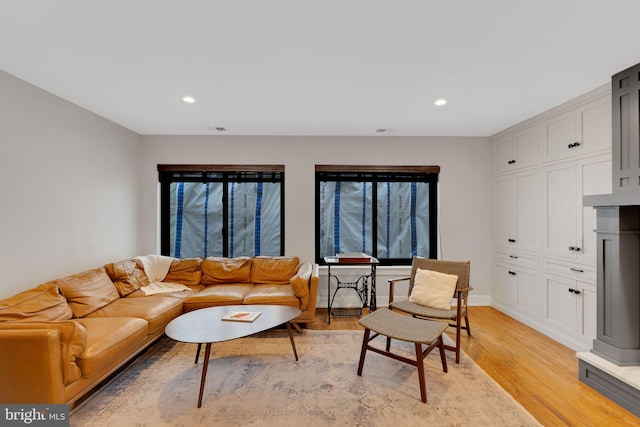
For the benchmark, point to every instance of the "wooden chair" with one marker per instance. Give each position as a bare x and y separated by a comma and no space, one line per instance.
394,325
453,316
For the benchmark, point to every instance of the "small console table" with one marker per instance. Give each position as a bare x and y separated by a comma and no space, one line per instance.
361,285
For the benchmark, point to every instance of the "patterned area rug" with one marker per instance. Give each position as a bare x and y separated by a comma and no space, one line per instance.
256,381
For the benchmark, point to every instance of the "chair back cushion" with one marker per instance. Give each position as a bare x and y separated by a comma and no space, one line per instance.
433,289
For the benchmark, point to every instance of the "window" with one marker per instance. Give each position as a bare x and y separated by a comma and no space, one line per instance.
387,212
223,211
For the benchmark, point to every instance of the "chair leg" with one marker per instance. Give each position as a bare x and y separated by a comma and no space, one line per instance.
458,330
420,366
443,357
363,351
466,322
388,343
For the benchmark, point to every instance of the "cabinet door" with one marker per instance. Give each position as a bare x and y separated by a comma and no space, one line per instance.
593,176
526,143
527,210
504,154
505,208
593,126
560,311
503,285
558,132
588,312
517,150
517,210
528,295
559,210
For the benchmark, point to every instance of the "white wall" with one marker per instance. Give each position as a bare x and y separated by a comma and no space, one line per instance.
78,191
68,188
464,186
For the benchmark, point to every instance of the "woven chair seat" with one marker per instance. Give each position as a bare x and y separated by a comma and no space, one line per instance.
421,310
385,322
403,328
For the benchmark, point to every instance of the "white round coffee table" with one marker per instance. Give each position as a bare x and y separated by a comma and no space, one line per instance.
205,326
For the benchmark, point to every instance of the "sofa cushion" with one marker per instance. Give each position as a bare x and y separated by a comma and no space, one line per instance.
272,294
214,295
273,269
216,271
158,310
88,291
186,271
127,276
73,340
41,304
109,340
300,284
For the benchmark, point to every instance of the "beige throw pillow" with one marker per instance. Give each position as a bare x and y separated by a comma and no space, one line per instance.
433,289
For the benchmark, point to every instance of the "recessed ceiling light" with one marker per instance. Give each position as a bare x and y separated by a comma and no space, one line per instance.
189,99
440,102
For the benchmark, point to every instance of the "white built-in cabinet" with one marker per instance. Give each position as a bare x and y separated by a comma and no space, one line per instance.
578,132
516,150
568,226
516,223
544,270
570,310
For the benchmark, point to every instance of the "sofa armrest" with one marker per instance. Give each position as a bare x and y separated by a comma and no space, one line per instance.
313,293
31,362
305,287
39,359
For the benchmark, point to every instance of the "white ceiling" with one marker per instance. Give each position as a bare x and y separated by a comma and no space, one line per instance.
323,67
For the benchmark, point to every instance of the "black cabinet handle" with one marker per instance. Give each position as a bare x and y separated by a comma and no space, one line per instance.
511,162
513,273
572,248
575,144
513,256
577,292
572,290
577,270
512,240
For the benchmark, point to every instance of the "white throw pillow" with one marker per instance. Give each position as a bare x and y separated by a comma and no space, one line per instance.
433,289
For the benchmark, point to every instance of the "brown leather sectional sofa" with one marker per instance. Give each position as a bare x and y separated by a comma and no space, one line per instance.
62,338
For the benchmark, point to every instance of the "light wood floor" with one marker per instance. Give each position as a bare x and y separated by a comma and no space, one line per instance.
537,371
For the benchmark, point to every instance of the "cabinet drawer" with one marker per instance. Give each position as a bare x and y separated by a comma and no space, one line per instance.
512,257
568,269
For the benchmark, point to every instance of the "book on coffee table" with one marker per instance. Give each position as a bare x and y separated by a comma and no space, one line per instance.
241,316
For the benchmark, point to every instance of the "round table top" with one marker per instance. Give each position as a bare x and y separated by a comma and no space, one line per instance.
206,325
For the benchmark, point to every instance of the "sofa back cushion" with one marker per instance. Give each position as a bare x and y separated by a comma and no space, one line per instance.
217,271
273,269
127,276
88,291
41,304
186,271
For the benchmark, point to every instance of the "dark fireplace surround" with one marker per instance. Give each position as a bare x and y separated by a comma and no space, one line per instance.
618,236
